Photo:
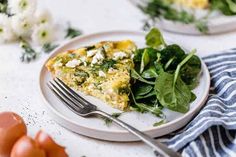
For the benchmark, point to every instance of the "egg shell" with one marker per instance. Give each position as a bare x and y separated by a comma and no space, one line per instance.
27,147
12,127
51,148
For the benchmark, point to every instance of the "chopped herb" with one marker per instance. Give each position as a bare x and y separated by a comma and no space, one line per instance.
108,64
202,26
123,90
160,122
108,121
47,48
28,53
146,25
72,32
90,47
81,73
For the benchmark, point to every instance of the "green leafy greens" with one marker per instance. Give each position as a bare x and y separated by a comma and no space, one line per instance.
227,7
157,9
163,76
3,6
72,32
108,121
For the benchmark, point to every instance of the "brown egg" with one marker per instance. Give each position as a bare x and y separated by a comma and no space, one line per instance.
27,147
51,148
12,127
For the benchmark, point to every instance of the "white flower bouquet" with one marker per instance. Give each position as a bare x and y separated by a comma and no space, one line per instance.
21,21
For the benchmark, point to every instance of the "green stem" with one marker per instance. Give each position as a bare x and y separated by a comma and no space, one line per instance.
186,59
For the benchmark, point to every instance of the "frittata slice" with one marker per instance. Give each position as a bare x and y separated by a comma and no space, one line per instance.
101,70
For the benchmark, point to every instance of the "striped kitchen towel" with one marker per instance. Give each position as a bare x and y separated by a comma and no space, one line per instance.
212,133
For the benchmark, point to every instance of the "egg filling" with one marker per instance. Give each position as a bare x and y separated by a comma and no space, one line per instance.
101,70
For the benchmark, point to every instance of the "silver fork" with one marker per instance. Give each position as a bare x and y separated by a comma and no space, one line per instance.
83,108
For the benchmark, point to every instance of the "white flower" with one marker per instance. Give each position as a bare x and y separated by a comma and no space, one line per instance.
43,16
22,6
43,34
22,24
6,33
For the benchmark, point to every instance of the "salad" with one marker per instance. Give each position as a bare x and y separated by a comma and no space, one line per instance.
185,11
163,77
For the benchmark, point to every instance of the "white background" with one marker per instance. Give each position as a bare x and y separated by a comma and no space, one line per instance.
19,91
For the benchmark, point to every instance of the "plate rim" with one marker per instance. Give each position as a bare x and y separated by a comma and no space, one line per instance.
149,129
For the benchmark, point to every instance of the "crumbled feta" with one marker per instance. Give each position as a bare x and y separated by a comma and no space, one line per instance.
119,55
98,58
83,60
132,56
107,47
91,87
91,53
73,63
110,91
101,73
57,64
111,70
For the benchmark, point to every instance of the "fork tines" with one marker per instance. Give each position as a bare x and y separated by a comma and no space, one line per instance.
70,98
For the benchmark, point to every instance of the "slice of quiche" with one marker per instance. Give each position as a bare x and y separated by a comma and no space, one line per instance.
101,70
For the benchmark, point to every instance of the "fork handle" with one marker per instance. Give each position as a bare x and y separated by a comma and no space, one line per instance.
159,148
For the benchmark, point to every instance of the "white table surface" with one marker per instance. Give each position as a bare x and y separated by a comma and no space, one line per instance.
19,91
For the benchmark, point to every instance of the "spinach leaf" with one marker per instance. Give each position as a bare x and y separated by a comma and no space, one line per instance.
150,73
174,95
171,91
173,53
145,60
174,72
138,55
150,94
193,97
155,39
190,71
142,89
141,107
135,75
232,5
222,6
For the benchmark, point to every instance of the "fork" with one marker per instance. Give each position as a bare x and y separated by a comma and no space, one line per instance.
83,108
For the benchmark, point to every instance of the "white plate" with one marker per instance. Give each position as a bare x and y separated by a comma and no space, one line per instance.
217,23
96,128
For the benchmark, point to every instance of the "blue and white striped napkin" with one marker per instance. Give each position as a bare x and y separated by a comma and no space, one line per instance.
212,133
